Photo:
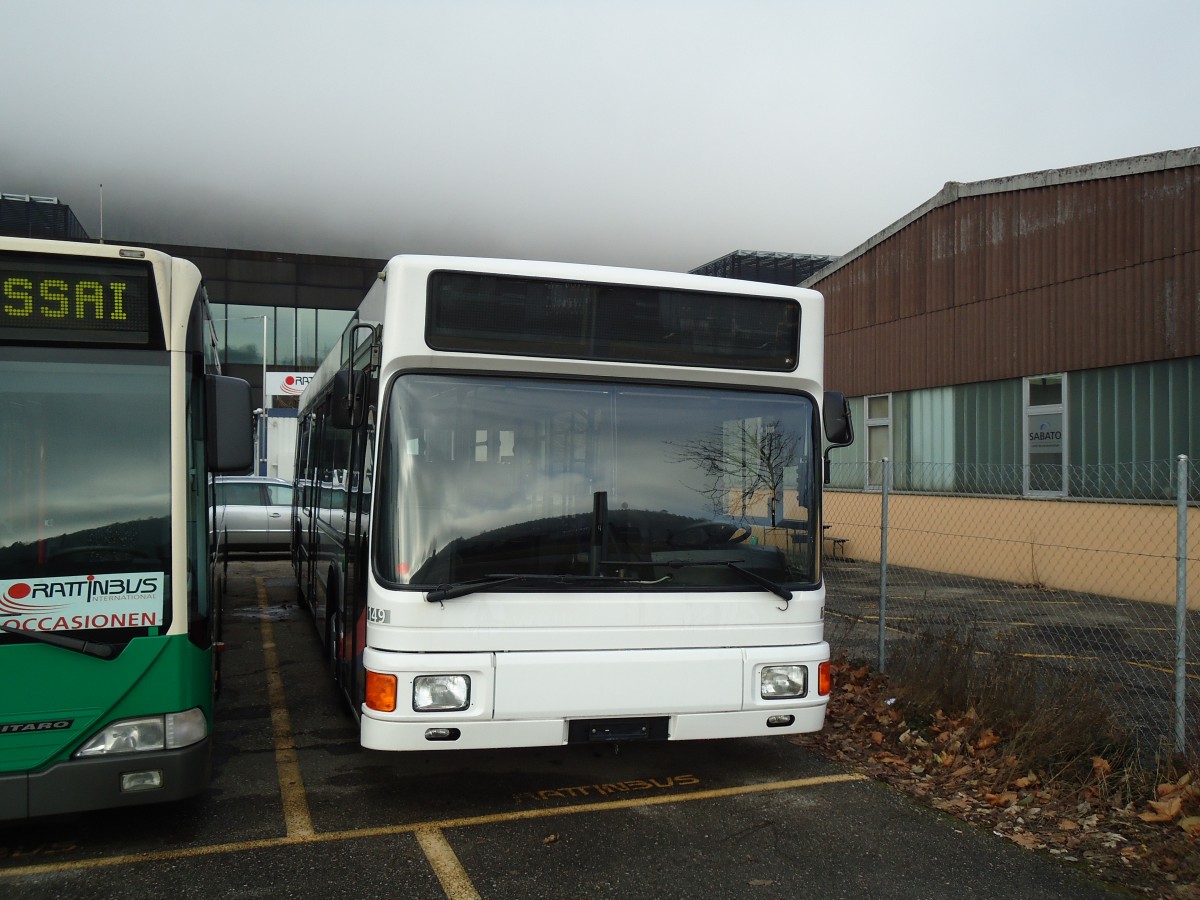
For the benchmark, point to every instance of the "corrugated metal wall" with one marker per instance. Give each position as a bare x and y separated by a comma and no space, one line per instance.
1070,276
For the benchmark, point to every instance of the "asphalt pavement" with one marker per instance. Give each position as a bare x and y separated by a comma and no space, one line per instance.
297,809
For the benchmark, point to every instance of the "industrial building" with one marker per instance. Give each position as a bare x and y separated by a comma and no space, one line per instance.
1024,353
1036,335
22,215
759,265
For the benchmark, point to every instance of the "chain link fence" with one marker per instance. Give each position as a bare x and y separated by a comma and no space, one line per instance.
1097,583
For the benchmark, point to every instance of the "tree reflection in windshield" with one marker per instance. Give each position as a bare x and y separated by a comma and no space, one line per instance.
744,463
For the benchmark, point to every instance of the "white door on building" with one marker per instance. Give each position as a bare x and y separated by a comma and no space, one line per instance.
281,447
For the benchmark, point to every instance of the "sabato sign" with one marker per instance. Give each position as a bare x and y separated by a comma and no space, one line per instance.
79,602
286,384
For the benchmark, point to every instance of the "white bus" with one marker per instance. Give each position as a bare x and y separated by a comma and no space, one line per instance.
541,504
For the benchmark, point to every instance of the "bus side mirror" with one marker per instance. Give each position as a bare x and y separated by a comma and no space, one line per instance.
229,441
839,429
348,406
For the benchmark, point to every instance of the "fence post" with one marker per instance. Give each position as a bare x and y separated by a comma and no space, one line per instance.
883,555
1181,543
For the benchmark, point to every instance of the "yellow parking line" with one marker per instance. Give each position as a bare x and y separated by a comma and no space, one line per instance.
291,784
1163,669
455,881
389,830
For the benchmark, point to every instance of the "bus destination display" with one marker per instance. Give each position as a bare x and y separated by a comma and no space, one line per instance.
90,300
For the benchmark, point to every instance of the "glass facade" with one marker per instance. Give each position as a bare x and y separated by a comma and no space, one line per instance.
294,338
1109,433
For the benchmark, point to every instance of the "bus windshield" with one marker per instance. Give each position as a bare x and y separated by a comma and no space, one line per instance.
645,487
85,494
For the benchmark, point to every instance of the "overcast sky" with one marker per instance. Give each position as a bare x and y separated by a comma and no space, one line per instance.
646,133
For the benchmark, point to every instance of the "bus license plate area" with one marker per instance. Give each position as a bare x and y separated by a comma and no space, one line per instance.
611,731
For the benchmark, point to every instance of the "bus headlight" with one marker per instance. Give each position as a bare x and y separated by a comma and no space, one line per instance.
186,728
783,682
441,693
148,733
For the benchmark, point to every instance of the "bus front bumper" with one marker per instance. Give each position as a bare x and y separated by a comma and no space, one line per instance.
79,785
549,698
379,734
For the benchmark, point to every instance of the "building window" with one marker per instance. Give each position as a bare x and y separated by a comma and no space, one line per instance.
924,438
294,337
242,336
1127,425
285,337
330,325
879,437
1045,435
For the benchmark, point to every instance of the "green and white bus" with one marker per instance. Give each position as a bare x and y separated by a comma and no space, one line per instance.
112,417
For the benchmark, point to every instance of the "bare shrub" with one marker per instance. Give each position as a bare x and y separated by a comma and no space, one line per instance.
1051,720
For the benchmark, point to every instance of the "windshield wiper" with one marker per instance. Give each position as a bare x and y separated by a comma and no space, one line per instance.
766,583
462,588
90,648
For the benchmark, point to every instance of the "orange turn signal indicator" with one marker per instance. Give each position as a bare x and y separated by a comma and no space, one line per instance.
381,692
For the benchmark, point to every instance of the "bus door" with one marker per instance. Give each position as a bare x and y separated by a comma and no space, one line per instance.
350,613
301,509
304,537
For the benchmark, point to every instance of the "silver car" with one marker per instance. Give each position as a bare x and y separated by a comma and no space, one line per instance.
254,512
